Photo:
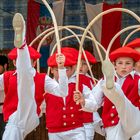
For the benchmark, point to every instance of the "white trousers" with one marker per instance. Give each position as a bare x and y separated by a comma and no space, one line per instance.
97,124
75,134
115,133
25,118
129,114
136,136
89,130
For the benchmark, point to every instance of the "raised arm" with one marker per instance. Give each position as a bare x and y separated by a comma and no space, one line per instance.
59,88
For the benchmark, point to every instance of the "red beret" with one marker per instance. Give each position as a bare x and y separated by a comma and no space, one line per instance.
72,51
125,52
33,53
69,61
134,44
90,57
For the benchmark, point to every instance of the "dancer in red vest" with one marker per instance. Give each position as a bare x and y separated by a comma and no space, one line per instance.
67,119
24,118
95,125
135,44
128,113
13,86
115,125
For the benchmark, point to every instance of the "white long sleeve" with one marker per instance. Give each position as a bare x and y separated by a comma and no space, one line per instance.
57,88
94,98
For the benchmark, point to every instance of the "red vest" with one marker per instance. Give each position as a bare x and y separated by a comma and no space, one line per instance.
11,98
130,89
87,117
62,116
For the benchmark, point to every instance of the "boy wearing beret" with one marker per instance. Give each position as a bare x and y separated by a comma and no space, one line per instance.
21,112
135,44
66,122
91,125
115,125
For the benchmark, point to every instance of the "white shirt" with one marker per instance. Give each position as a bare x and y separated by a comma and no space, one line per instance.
51,86
96,99
59,88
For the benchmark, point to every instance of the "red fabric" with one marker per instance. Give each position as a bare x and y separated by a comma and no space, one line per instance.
11,98
58,114
130,89
71,50
109,114
90,57
125,52
33,53
10,102
70,54
87,117
69,61
33,14
38,20
111,24
134,44
52,61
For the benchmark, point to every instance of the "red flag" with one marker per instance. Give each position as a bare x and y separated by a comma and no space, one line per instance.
107,26
111,24
39,19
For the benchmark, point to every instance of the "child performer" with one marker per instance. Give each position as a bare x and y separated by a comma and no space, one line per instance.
124,61
128,113
67,119
19,110
95,125
135,44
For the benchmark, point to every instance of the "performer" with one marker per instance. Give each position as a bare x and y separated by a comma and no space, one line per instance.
19,110
25,118
135,44
93,125
116,126
3,68
66,122
128,113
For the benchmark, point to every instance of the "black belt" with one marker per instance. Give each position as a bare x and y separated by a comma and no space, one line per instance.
1,104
